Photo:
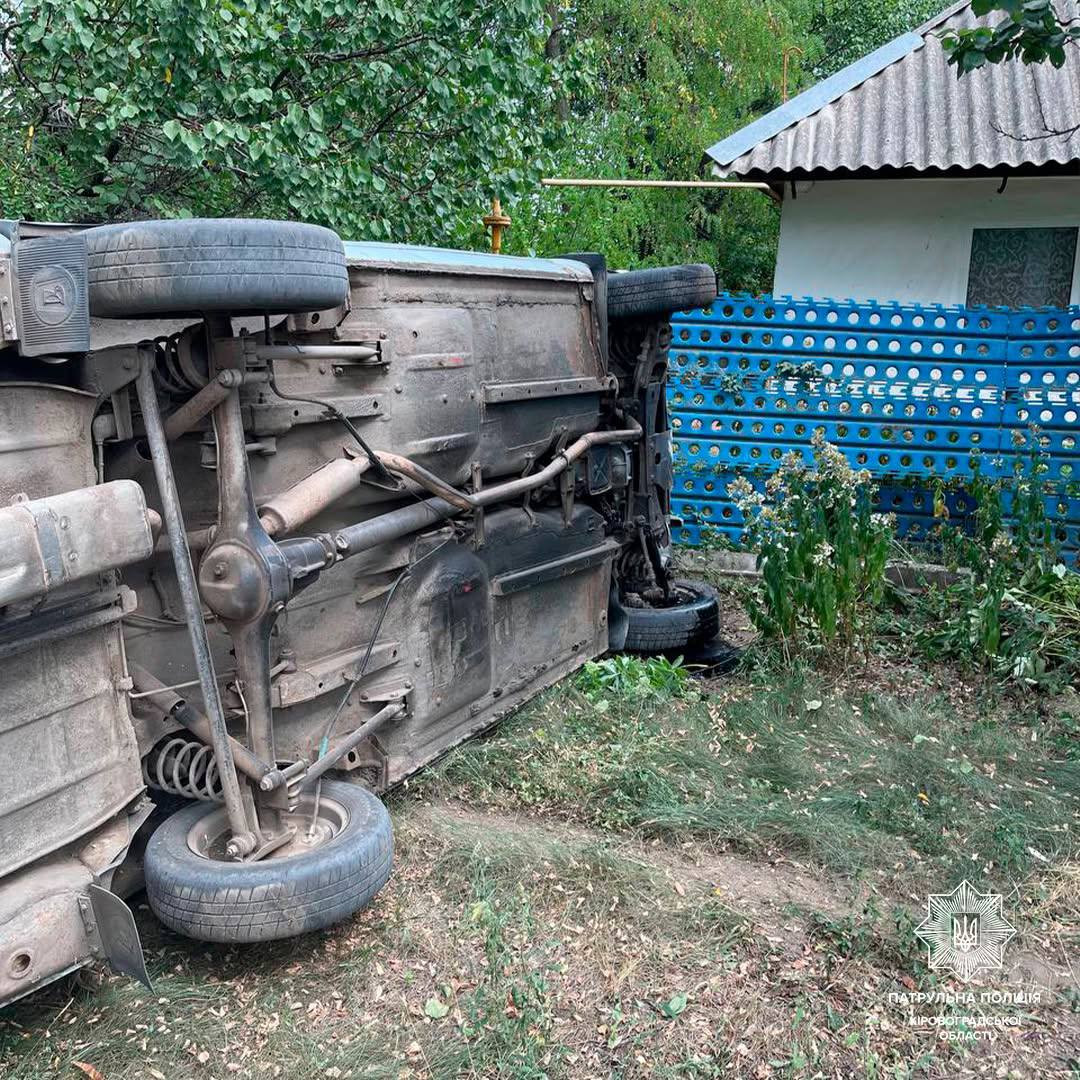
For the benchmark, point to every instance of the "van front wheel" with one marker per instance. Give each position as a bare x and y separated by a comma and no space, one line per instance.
689,617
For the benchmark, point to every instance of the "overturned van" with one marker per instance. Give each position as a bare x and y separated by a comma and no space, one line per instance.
281,520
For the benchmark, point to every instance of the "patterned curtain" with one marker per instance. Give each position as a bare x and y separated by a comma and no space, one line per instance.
1021,267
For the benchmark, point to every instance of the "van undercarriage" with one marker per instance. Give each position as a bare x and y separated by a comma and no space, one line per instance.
281,521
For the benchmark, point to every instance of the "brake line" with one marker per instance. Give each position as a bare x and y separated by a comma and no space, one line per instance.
350,686
377,467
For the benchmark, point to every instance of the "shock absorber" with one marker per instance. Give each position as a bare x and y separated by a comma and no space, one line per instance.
184,767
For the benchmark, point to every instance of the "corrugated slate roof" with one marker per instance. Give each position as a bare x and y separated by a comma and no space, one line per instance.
902,107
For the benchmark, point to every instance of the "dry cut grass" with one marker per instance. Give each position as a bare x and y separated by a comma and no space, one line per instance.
640,876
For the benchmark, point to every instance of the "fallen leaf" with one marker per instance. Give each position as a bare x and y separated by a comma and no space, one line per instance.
89,1070
435,1008
674,1006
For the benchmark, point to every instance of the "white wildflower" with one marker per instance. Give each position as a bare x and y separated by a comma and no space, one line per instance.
1002,545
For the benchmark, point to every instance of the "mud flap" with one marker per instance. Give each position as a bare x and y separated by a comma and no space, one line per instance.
119,934
618,620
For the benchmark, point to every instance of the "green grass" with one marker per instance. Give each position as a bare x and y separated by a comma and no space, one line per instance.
558,910
593,876
853,781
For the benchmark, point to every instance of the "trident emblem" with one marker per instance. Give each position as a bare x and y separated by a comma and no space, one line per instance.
965,931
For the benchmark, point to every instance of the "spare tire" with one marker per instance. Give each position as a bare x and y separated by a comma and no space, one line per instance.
233,266
692,620
641,294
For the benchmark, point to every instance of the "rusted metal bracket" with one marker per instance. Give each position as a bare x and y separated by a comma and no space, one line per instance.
497,393
567,481
526,500
8,332
326,674
478,513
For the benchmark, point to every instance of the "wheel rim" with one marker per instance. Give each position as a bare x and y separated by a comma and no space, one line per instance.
210,835
680,597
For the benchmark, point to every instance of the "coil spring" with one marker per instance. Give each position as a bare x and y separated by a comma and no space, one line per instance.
184,767
180,364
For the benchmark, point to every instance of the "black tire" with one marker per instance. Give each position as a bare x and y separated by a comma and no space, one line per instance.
234,266
642,294
654,630
241,903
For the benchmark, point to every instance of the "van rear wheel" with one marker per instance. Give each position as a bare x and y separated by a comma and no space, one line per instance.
320,877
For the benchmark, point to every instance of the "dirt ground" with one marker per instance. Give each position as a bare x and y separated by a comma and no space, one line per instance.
723,880
506,947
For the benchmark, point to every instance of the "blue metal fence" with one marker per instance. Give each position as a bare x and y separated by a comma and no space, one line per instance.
908,392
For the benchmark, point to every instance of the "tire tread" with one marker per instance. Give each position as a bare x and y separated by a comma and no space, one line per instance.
198,897
660,291
230,265
666,630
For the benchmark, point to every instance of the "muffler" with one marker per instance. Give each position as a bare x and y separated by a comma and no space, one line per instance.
50,542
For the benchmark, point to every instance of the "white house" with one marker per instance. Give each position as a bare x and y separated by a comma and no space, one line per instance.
902,182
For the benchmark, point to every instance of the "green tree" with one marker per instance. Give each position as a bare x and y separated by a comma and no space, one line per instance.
389,119
843,31
672,77
1030,31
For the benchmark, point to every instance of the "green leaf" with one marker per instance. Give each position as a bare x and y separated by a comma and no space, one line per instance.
435,1008
192,140
675,1006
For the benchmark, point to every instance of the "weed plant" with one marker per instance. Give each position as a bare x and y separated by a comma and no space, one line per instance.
821,551
1015,609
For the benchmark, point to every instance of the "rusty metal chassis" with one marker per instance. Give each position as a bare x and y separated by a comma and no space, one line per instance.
246,578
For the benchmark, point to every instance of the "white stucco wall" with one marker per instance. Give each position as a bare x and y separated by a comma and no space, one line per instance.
907,240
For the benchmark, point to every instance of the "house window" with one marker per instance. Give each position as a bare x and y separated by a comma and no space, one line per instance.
1021,267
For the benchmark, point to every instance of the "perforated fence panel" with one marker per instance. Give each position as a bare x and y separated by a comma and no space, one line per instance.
911,393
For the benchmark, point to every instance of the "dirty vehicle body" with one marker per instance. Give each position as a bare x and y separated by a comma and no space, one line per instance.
281,521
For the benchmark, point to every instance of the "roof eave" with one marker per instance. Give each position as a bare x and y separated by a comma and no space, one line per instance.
777,178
